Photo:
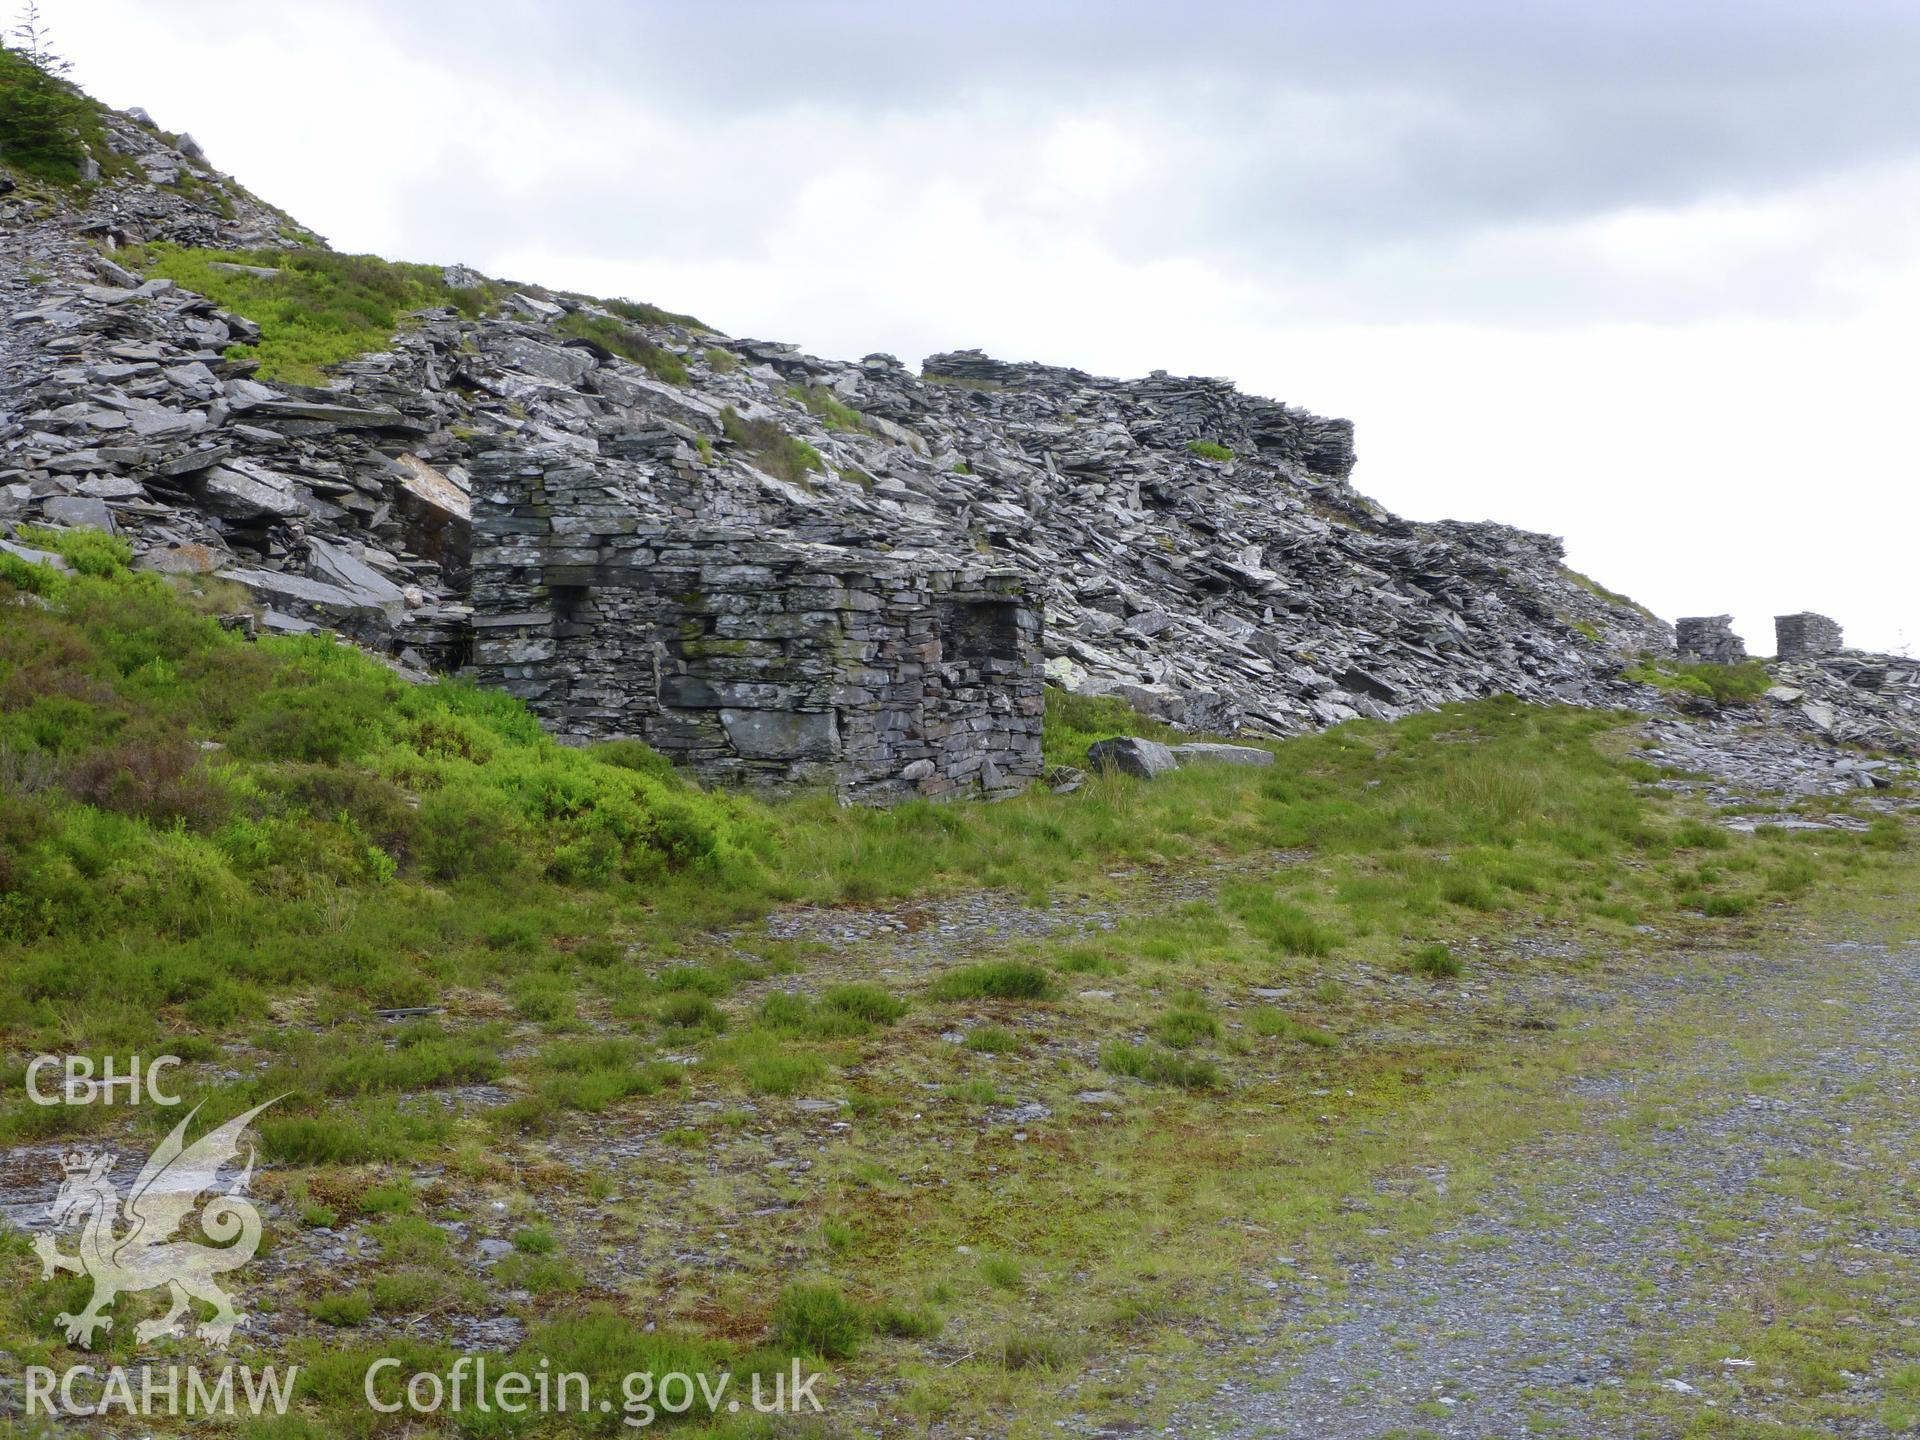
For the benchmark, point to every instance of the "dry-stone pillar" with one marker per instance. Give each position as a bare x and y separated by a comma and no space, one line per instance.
1803,636
1708,638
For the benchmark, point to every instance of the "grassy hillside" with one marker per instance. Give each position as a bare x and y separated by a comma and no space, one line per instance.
240,852
314,307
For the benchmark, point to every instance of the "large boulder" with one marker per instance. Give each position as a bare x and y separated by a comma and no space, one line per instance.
1129,755
246,492
1205,750
79,511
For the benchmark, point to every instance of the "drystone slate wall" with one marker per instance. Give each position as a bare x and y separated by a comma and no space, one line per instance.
1804,636
751,657
1709,638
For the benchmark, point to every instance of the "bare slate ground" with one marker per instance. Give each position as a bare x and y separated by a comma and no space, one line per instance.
1690,1258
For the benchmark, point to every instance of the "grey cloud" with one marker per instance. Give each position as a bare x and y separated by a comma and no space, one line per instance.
1542,109
1321,139
1399,159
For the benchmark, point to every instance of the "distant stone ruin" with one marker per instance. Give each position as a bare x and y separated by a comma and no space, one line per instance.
1805,636
1708,639
751,657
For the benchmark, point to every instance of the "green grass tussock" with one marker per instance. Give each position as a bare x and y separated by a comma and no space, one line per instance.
812,1317
832,411
771,448
1208,450
1075,721
641,313
998,980
1598,591
1159,1066
320,308
1722,684
625,341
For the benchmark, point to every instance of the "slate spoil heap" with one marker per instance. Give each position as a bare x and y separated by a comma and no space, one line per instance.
771,565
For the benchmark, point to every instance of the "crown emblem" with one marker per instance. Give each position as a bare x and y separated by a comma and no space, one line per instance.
77,1162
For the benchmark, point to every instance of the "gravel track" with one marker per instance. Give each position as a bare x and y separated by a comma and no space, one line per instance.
1566,1298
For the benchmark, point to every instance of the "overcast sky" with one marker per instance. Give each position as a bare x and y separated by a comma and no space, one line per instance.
1646,276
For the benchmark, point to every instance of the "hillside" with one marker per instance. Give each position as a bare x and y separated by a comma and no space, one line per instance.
1078,1112
1202,551
308,423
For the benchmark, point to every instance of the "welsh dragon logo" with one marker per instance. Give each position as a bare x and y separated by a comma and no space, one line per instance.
145,1254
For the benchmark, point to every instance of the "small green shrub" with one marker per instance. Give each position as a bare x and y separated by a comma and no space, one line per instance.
1184,1027
995,980
470,832
539,1274
409,1240
782,1074
348,1137
814,1318
1280,1026
395,1199
692,1012
1207,450
1280,923
350,1307
1073,722
1470,891
1090,960
543,996
1436,961
1158,1067
840,1236
866,1002
1028,1350
587,1076
784,1013
1002,1272
634,755
907,1322
1696,835
992,1040
91,552
833,412
771,448
767,1057
626,342
412,1291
